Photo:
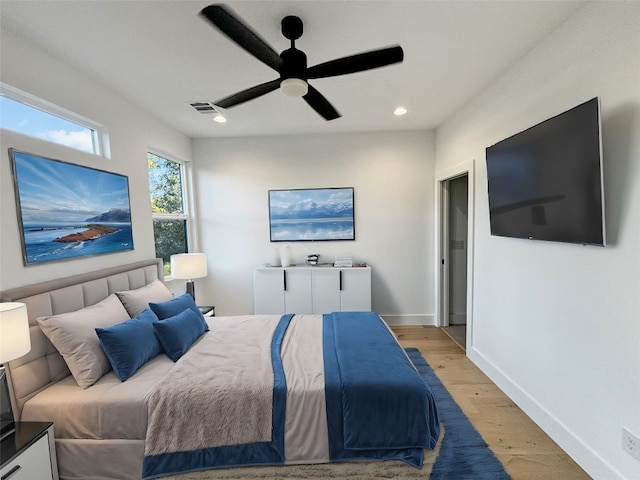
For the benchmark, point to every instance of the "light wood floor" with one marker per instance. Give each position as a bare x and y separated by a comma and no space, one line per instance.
523,448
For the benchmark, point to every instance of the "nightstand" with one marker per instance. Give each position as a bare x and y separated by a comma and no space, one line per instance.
208,310
29,453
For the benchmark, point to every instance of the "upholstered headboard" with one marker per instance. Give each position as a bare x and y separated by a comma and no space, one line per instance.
43,365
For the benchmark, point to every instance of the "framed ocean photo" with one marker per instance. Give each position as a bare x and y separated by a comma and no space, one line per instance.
67,211
313,214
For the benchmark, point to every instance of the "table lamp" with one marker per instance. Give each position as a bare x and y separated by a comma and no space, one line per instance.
189,266
14,343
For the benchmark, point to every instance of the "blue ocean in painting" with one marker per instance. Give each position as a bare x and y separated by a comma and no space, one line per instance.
57,199
307,229
311,214
40,244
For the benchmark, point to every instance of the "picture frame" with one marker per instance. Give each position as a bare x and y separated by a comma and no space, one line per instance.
67,211
311,214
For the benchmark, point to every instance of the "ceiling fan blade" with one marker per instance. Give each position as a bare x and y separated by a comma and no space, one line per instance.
320,104
357,63
248,94
237,31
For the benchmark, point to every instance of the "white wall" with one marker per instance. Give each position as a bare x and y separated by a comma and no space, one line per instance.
557,325
392,176
131,132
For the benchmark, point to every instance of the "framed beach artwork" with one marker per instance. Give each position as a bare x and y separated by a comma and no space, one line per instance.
313,214
67,211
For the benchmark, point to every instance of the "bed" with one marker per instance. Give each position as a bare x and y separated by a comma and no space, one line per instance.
220,392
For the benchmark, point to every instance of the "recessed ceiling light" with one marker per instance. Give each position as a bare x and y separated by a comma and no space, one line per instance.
218,117
399,111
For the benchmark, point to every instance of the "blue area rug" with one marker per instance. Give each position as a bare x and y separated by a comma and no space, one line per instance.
464,455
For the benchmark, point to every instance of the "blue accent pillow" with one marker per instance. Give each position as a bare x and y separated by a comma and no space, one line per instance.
176,334
130,344
177,305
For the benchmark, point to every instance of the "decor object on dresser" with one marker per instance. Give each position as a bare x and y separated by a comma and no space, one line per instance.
311,290
187,266
29,453
291,64
313,214
67,211
14,343
312,259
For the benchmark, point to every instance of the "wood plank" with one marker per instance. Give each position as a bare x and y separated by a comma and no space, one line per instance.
522,447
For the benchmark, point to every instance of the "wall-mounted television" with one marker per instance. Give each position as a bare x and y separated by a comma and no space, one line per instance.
545,183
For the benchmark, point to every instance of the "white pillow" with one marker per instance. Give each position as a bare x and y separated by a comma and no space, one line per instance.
135,301
74,336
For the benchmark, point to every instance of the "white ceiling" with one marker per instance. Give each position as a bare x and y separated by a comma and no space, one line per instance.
161,55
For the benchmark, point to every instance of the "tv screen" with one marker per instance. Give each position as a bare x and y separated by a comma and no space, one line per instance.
545,183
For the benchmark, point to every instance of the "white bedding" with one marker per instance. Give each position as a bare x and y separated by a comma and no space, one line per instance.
117,410
305,437
109,409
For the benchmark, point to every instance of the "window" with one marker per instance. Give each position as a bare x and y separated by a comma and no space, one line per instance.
170,219
31,116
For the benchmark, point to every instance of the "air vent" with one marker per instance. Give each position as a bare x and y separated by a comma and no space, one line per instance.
204,107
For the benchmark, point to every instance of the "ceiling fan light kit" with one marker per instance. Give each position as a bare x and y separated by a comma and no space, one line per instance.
291,64
294,87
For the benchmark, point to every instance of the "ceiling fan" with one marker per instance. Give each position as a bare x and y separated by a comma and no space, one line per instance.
291,64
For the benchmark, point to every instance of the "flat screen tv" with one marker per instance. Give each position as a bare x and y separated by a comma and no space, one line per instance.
545,183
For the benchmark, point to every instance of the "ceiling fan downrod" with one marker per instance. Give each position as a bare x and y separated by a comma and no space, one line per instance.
294,62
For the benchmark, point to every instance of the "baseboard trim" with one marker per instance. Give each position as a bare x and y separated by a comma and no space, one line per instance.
582,454
419,319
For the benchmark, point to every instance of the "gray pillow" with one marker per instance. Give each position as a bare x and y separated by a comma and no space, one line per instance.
74,336
135,301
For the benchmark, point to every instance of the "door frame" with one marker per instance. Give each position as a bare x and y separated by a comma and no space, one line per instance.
442,240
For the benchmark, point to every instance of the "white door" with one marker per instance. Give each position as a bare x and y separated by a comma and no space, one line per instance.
326,290
458,226
268,291
355,289
297,291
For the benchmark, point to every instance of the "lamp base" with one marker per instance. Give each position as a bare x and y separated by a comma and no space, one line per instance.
7,425
191,289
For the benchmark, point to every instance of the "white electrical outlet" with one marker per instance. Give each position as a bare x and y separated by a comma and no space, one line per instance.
631,444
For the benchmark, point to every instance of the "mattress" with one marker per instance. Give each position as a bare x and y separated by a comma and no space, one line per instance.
110,409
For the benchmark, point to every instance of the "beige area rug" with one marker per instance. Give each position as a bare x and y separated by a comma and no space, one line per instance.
353,470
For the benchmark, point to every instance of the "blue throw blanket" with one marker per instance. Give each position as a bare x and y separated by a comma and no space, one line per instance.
378,406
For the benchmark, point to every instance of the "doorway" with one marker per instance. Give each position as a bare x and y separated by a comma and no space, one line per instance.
457,212
455,253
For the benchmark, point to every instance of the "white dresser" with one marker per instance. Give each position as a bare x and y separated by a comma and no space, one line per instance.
311,290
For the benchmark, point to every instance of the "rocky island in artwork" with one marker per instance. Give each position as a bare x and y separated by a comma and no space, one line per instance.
69,211
92,232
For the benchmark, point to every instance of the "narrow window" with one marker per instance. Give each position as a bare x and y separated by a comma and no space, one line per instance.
170,219
28,115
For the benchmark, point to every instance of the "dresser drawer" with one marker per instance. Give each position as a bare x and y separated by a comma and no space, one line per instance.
31,464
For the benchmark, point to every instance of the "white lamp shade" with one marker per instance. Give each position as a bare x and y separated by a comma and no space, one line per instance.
189,265
14,331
